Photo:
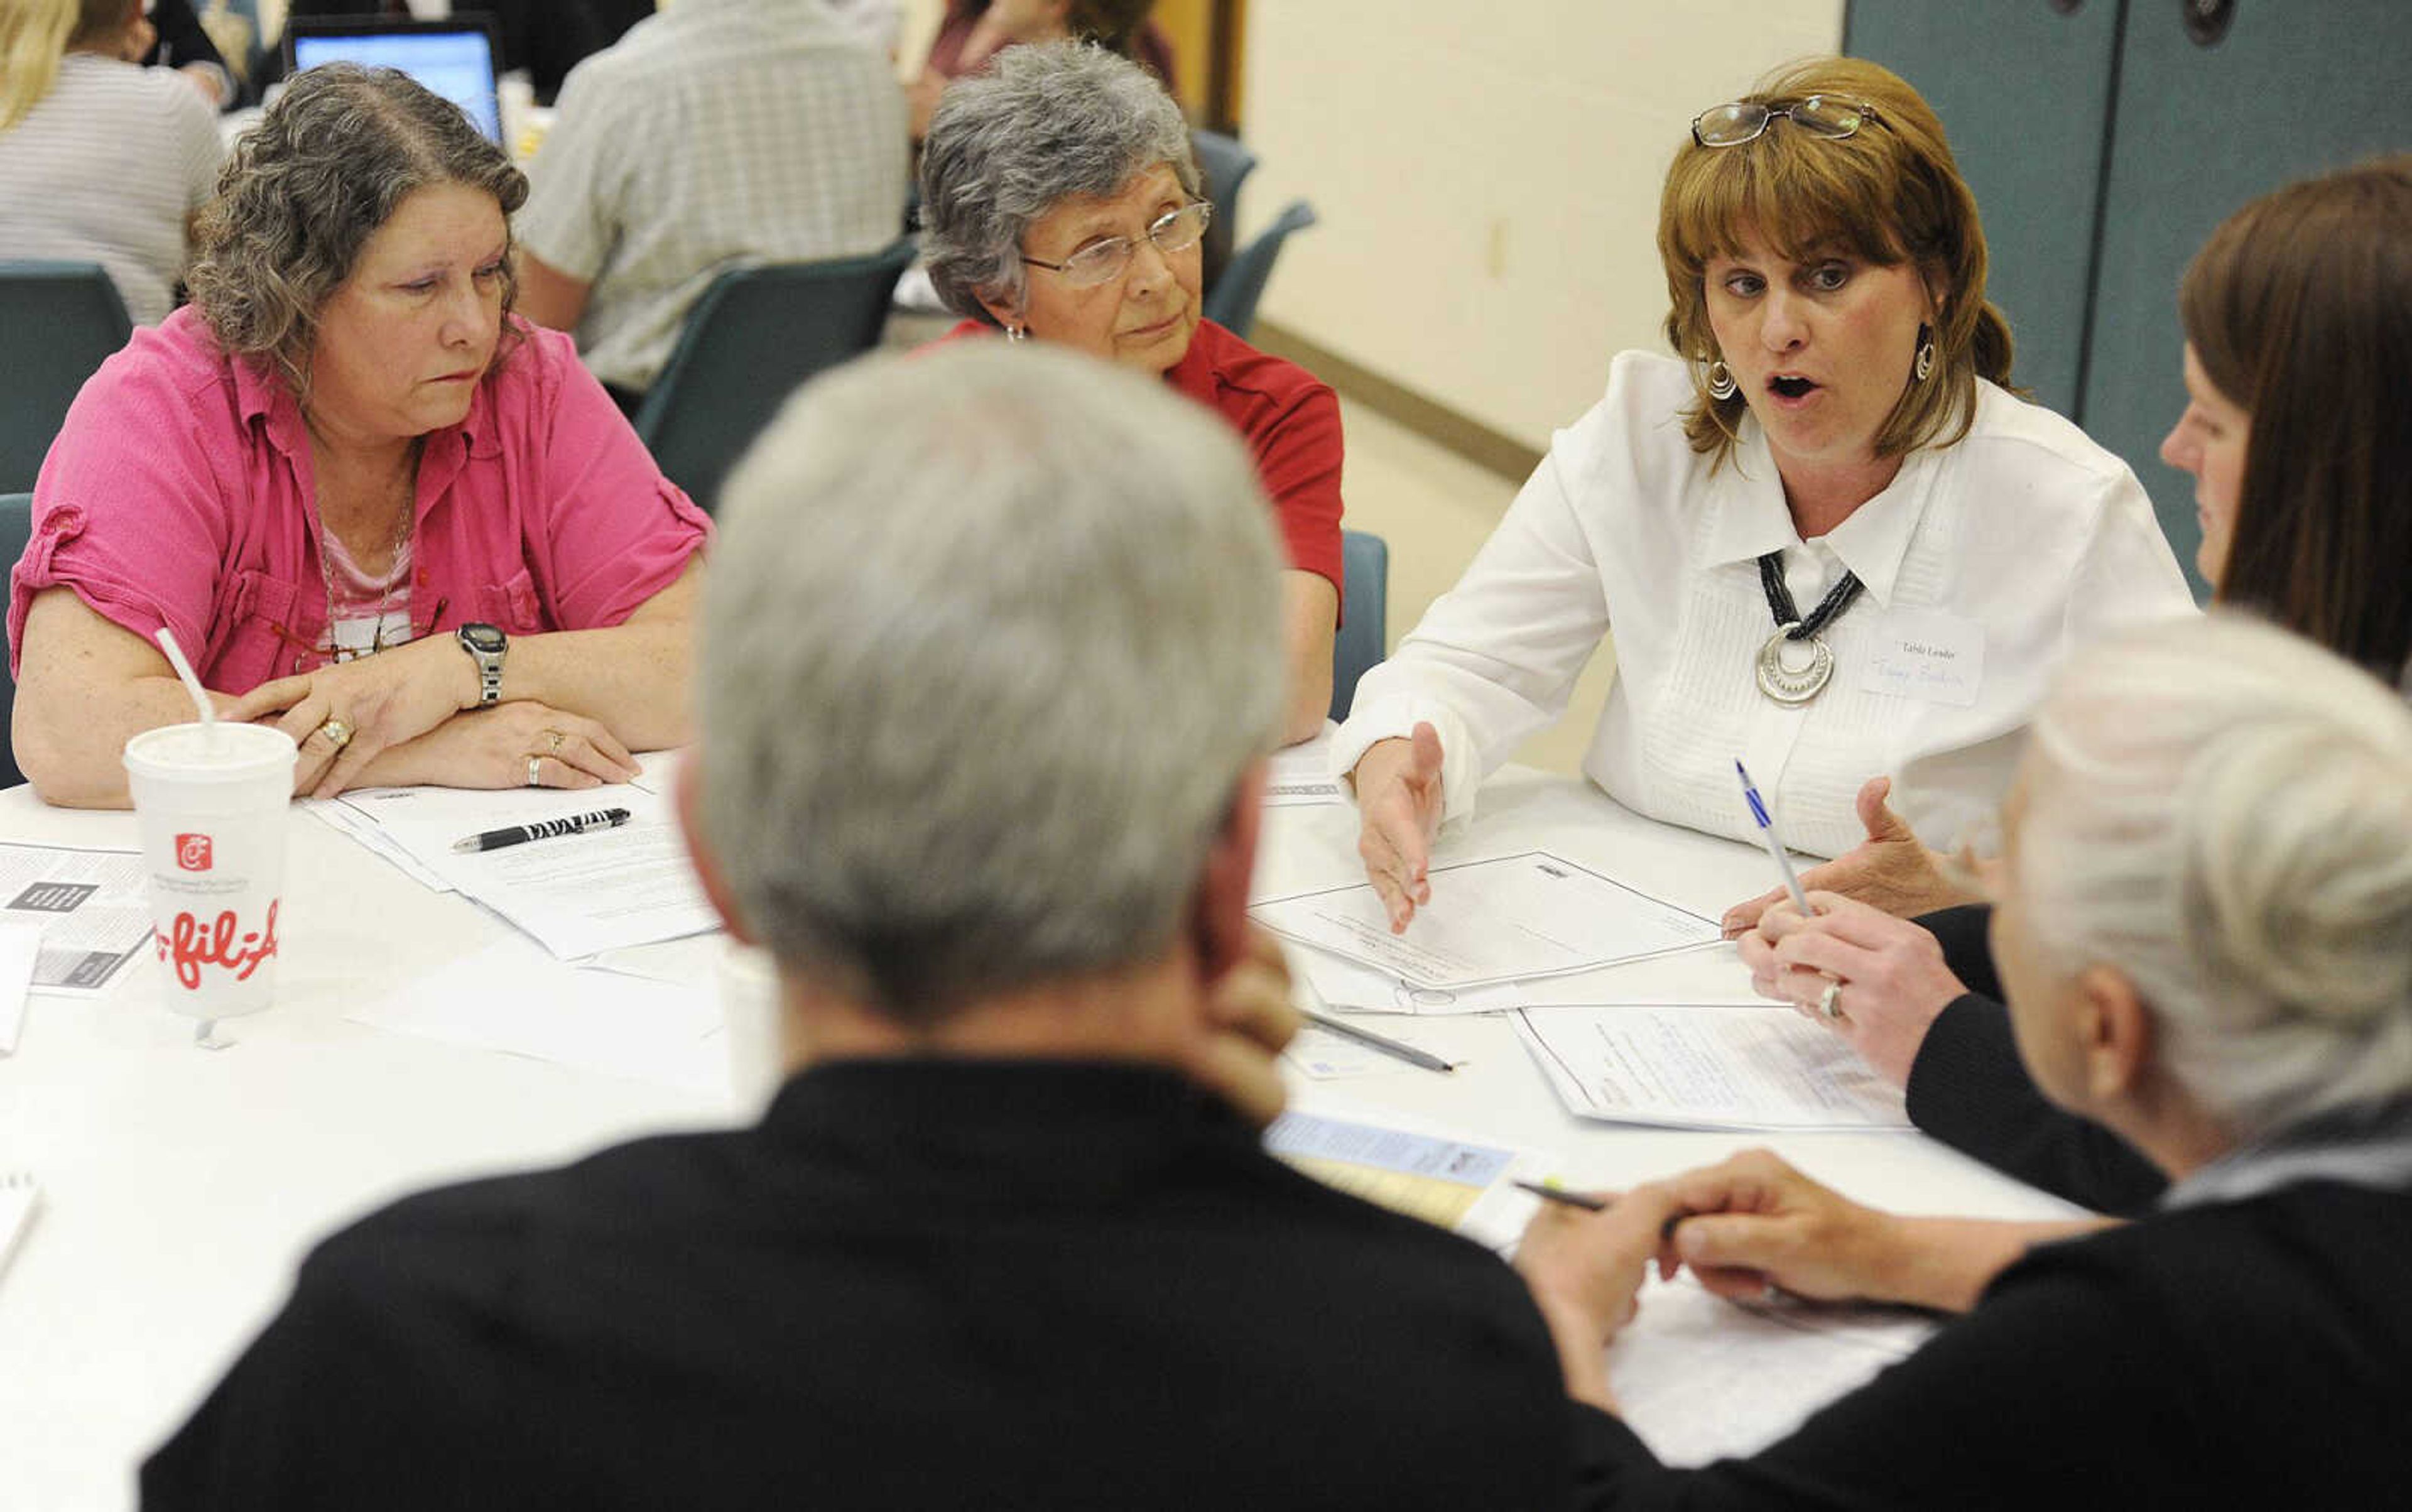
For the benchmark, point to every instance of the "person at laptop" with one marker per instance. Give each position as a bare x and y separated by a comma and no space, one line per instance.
717,133
373,504
990,674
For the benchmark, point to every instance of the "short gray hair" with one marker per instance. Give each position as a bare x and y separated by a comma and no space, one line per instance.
2223,812
1046,121
303,191
990,638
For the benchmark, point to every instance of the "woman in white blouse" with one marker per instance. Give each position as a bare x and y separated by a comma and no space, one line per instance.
1828,541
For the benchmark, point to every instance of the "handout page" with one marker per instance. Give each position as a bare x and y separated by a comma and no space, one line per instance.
92,906
1459,1182
1353,987
1533,915
1300,775
1700,1378
1685,1067
510,999
1329,1057
576,895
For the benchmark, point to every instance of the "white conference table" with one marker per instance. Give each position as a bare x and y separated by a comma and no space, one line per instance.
180,1187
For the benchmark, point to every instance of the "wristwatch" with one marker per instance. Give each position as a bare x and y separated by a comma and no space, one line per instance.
485,644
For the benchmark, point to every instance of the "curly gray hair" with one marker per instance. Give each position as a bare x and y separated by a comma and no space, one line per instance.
1047,121
304,190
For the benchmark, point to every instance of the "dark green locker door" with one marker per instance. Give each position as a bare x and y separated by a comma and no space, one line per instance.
2293,87
2023,88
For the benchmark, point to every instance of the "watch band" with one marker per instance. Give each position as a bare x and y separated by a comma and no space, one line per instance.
485,645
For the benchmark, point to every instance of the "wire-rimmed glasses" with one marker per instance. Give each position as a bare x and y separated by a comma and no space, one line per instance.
1101,263
1821,115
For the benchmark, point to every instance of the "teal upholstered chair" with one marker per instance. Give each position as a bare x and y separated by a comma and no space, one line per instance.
1364,623
58,320
755,335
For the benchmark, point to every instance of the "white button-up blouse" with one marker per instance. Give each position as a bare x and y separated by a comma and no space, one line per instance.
1985,564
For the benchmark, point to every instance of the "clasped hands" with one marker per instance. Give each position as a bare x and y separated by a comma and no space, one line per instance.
408,715
1744,1225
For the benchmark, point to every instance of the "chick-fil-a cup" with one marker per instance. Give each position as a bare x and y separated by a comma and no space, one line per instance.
210,802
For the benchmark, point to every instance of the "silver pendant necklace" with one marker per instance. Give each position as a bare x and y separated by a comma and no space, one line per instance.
1794,665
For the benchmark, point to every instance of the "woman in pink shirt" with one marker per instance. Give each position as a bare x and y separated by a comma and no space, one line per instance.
380,510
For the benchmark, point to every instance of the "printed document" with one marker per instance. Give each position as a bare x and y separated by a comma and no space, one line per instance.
1700,1378
576,895
1533,915
1300,775
1463,1184
1706,1068
92,906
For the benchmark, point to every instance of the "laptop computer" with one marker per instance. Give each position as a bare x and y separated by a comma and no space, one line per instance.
454,57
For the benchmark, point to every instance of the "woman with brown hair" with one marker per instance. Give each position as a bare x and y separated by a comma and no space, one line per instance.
1830,540
2298,316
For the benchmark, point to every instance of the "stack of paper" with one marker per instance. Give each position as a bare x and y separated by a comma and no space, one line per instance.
576,894
1706,1068
1463,1184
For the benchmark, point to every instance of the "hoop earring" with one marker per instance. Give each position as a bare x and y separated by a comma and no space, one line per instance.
1721,381
1925,364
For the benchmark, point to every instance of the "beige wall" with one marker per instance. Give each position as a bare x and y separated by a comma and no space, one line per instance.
1487,177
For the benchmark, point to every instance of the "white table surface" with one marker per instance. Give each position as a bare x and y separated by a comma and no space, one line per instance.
180,1187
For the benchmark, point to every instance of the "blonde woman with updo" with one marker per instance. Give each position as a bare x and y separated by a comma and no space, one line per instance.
1827,538
102,160
2204,923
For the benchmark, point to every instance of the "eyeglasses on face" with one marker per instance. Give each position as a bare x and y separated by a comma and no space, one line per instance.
1820,116
1101,263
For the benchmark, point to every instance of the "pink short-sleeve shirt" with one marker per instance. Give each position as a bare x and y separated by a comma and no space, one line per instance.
179,493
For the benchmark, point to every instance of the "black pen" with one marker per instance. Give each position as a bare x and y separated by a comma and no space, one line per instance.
1380,1042
520,834
1560,1195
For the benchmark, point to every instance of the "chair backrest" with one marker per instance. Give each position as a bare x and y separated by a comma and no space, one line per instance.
1364,620
58,321
1227,165
755,335
16,529
1231,303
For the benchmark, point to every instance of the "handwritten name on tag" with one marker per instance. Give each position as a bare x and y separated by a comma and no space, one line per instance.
1924,653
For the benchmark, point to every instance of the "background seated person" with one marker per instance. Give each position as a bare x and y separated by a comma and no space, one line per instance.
1061,203
1829,539
973,31
100,160
344,452
2203,922
719,132
989,675
2298,315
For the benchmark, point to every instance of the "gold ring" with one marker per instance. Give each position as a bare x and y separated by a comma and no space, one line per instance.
338,733
555,737
533,778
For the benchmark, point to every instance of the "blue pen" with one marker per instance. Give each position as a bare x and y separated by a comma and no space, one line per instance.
1766,833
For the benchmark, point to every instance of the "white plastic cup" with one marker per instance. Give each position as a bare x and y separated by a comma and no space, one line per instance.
210,802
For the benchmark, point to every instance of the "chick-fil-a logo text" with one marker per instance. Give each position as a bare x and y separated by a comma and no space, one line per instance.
192,946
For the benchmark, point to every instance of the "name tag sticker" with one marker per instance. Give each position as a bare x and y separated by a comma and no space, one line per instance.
1926,655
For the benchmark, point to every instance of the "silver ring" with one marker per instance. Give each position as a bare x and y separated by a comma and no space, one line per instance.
533,780
1829,1002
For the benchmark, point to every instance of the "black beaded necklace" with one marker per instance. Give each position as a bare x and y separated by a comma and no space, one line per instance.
1778,678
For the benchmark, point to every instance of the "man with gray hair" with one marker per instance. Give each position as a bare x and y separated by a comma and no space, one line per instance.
992,662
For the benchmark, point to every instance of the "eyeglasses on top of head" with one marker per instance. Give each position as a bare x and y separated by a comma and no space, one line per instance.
1820,116
1103,262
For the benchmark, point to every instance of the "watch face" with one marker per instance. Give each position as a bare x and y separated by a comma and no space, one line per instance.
483,637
